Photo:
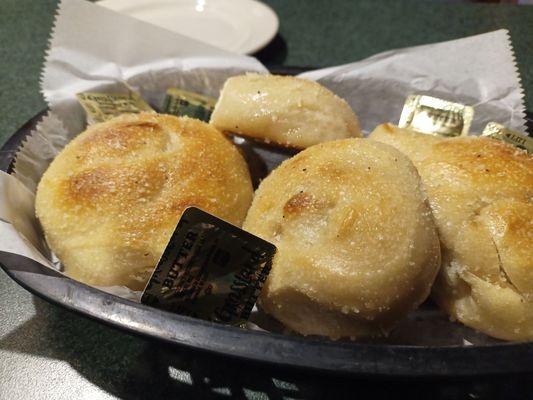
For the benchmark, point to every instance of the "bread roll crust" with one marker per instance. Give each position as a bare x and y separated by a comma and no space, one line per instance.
357,246
285,110
481,194
110,200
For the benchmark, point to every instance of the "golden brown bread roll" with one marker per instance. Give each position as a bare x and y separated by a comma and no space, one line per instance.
289,111
481,194
357,246
110,200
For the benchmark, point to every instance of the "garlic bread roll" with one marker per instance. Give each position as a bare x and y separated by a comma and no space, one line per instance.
291,112
357,246
111,199
481,194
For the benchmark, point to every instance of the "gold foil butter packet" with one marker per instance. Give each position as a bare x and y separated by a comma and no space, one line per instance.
500,132
436,116
183,103
210,269
103,106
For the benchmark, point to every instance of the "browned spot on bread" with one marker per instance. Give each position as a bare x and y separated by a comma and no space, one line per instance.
347,222
389,128
118,140
117,184
145,124
487,160
303,203
298,203
471,149
88,185
179,206
332,171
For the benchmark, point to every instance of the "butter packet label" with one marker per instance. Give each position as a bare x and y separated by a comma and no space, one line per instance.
436,116
500,132
183,103
103,106
210,269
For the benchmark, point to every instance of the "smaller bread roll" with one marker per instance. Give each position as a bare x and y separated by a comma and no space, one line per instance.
111,199
357,246
288,111
481,194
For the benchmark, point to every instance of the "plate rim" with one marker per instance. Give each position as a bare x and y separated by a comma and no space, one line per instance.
364,359
273,21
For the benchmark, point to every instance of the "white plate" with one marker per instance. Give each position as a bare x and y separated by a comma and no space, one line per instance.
240,26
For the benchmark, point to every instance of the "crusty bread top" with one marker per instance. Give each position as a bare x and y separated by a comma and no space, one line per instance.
116,192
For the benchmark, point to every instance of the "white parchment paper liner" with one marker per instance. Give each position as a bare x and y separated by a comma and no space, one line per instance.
479,71
96,49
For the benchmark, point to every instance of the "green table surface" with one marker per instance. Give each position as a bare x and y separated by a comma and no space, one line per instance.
47,352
